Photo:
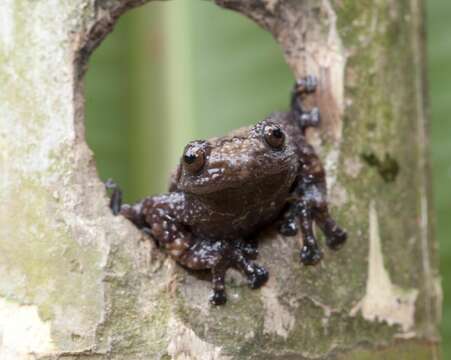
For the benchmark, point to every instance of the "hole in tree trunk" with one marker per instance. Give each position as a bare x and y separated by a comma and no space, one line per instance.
172,72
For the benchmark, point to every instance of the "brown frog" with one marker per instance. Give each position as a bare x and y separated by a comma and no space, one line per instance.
226,189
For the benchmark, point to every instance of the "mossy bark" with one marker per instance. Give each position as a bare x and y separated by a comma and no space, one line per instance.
79,283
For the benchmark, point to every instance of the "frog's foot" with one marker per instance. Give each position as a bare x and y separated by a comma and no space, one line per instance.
336,241
203,254
256,274
335,235
306,85
218,256
259,277
310,255
309,118
116,196
218,297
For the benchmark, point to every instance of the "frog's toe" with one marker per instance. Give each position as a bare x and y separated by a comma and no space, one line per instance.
288,228
311,118
307,84
336,241
250,250
218,297
116,196
310,255
258,278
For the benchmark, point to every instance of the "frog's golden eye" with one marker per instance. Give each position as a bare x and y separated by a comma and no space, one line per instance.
194,156
274,136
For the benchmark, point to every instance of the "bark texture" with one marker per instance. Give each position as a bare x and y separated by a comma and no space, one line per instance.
78,283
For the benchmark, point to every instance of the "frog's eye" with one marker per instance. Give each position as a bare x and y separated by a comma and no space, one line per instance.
274,136
194,156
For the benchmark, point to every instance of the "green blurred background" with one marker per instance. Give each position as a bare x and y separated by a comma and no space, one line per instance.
176,71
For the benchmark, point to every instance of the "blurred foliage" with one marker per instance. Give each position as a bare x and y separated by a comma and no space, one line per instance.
172,72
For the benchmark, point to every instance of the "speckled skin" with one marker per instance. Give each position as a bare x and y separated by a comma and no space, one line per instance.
226,189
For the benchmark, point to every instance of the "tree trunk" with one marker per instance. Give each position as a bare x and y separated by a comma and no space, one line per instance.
79,283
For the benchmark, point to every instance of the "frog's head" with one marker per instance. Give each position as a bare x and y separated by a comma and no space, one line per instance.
258,158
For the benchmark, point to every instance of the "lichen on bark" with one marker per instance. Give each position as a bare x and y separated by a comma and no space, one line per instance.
104,291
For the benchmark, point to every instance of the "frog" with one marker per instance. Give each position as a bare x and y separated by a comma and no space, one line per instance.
226,190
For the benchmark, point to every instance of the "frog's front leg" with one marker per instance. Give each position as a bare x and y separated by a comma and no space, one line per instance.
207,254
256,274
116,196
167,220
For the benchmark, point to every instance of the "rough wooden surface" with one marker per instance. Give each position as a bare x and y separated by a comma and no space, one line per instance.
78,283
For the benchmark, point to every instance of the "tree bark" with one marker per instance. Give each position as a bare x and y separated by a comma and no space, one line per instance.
79,283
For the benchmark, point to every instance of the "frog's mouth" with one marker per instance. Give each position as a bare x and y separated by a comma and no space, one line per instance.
256,183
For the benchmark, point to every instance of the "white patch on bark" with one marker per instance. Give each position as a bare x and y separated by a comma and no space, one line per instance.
184,344
326,51
334,57
332,61
384,301
7,24
277,320
23,334
23,69
439,297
